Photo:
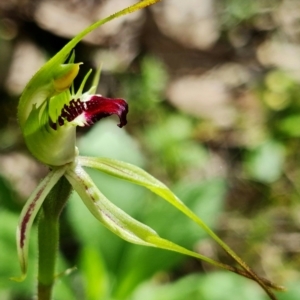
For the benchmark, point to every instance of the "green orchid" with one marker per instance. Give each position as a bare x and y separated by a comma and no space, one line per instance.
49,112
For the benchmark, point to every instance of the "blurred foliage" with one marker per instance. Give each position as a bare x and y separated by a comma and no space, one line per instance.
242,178
236,12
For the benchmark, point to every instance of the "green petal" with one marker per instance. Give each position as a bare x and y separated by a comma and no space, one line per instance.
138,176
28,215
117,220
106,212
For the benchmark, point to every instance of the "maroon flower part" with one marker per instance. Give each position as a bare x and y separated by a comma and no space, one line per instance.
87,112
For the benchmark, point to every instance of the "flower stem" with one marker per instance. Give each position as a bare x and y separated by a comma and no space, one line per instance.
48,236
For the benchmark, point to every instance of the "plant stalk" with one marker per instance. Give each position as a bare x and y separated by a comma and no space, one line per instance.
48,237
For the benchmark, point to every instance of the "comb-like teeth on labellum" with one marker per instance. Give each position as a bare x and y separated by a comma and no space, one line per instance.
91,110
55,140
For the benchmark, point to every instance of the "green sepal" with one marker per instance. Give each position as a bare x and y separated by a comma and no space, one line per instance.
46,83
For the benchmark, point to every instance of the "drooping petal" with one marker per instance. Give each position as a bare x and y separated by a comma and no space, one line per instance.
106,212
90,109
29,213
118,221
138,176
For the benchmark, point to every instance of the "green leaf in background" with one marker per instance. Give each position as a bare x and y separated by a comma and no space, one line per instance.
237,11
171,141
145,89
290,125
107,140
206,199
265,163
63,288
8,198
213,286
292,292
279,82
154,78
92,267
10,267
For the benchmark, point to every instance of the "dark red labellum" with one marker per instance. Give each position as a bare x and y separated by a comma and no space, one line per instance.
96,108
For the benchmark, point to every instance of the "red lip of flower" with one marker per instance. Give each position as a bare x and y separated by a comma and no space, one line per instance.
91,110
50,127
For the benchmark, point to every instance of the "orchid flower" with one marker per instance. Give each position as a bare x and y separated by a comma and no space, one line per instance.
49,112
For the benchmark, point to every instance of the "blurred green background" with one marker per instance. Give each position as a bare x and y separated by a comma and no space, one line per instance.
214,98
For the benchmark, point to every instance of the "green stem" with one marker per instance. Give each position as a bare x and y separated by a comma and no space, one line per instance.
48,236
